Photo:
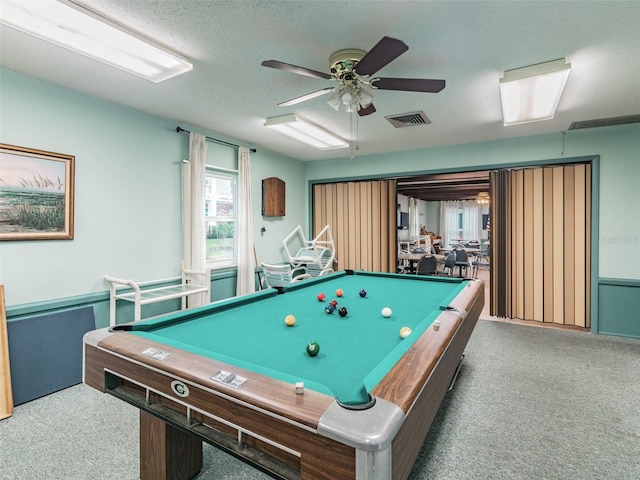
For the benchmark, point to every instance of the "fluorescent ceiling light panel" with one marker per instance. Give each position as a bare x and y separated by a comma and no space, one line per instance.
305,132
531,94
72,26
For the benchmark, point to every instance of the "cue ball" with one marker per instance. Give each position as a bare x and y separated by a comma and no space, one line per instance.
363,293
343,312
321,297
339,292
313,348
386,312
289,320
405,332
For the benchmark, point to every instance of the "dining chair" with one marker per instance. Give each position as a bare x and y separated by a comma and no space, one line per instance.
427,265
482,259
447,264
461,261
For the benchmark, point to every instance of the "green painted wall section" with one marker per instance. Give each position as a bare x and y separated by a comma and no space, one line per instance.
127,192
618,183
619,304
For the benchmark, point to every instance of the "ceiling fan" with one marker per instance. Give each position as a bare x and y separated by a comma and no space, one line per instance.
352,69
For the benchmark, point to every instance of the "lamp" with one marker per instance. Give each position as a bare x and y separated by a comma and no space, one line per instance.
351,96
483,198
532,93
304,131
83,31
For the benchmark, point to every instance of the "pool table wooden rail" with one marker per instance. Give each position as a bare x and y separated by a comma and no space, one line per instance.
409,440
315,454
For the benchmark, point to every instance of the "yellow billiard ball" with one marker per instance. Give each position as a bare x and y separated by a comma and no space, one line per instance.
405,332
289,320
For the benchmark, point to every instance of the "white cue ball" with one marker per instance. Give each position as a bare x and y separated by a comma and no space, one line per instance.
386,312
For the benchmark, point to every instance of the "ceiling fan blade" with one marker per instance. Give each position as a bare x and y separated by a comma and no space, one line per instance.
408,84
295,69
306,97
367,111
383,53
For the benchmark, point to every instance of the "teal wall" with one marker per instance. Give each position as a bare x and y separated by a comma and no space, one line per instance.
127,193
618,183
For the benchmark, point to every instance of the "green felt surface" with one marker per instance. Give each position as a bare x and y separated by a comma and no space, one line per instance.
355,351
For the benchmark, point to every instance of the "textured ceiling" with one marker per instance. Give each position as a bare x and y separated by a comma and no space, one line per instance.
469,44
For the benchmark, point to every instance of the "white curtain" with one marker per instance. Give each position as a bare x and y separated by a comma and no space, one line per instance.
193,173
449,212
470,220
413,217
246,260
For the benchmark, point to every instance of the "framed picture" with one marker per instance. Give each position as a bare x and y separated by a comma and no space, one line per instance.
36,194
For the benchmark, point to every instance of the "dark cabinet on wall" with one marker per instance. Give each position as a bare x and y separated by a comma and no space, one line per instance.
273,197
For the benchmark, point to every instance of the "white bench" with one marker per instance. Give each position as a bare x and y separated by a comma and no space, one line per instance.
131,291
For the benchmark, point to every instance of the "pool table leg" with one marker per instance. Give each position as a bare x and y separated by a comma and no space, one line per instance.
167,453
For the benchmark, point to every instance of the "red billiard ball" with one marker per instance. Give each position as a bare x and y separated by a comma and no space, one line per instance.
334,303
321,297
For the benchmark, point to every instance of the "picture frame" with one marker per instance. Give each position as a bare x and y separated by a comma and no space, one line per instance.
36,194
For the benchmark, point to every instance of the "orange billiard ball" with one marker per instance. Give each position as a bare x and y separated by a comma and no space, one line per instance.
289,320
339,292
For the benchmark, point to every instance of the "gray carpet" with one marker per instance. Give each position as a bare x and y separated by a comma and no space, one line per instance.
530,403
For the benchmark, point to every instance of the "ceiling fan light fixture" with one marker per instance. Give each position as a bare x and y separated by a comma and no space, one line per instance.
304,131
83,31
334,100
532,94
347,95
364,98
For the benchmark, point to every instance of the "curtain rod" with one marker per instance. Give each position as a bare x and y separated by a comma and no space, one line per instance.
214,140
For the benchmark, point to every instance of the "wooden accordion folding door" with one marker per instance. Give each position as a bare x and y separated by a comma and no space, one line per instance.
362,219
541,244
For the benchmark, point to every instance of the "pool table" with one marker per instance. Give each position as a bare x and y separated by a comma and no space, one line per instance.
233,374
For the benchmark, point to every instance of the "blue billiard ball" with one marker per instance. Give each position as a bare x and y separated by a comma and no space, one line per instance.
363,293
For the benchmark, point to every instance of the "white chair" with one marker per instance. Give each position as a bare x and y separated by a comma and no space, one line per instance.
280,275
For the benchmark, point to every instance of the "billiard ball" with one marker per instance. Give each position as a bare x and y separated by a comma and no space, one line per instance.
343,312
339,292
329,308
386,312
334,303
313,348
405,332
289,320
321,297
363,293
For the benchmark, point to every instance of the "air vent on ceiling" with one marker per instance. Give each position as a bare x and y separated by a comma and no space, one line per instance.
408,119
605,122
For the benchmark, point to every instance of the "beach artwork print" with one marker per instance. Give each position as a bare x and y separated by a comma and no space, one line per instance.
36,194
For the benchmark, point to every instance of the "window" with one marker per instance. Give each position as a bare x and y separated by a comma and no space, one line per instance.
220,196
